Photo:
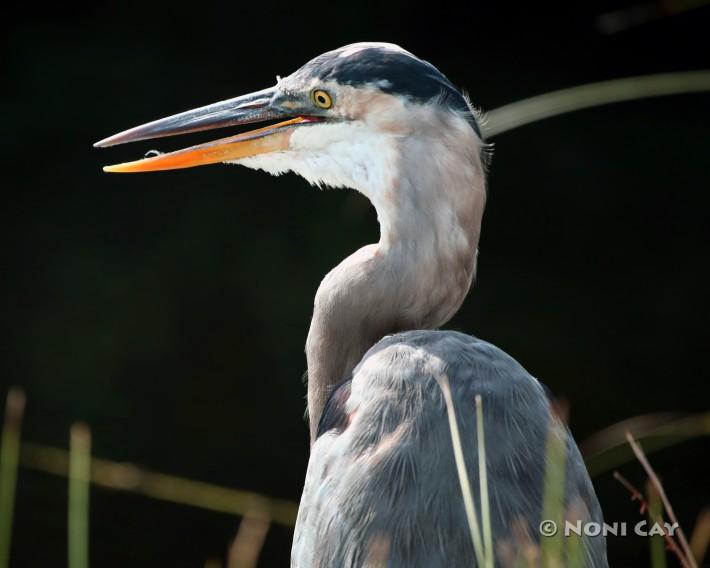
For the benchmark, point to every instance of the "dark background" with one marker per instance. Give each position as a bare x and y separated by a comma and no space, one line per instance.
169,311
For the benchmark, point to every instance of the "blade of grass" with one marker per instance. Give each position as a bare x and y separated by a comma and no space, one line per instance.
656,542
554,492
664,498
134,479
78,514
608,448
9,455
468,500
483,481
246,546
637,496
554,103
700,538
574,549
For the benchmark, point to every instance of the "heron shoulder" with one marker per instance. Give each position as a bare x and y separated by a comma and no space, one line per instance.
407,361
383,465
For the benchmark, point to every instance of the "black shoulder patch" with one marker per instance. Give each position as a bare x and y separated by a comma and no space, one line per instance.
334,415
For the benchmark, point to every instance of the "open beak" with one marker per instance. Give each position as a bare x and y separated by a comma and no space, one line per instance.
255,107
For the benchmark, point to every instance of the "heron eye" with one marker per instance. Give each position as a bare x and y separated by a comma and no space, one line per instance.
322,99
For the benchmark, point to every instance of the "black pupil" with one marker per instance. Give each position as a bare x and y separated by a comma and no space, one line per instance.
321,99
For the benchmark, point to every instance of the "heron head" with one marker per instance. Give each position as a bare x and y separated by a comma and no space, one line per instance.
340,119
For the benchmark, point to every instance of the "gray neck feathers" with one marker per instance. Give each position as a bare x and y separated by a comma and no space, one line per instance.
418,274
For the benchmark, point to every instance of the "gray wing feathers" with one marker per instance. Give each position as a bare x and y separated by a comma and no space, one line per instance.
383,490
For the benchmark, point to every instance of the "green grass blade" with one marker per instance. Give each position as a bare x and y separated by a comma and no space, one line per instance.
79,479
656,542
468,500
551,104
121,476
554,493
700,539
483,480
9,456
575,549
608,448
246,547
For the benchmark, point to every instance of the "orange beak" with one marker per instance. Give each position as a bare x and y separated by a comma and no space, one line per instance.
241,110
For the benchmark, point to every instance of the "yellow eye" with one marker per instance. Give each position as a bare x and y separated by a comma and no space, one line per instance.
321,98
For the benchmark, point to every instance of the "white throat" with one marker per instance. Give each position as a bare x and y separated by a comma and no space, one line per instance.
339,154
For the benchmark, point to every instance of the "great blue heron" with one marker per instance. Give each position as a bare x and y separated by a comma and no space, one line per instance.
382,474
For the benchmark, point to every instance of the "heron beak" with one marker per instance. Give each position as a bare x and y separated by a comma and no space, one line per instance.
241,110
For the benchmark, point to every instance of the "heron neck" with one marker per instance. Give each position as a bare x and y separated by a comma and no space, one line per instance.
416,277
